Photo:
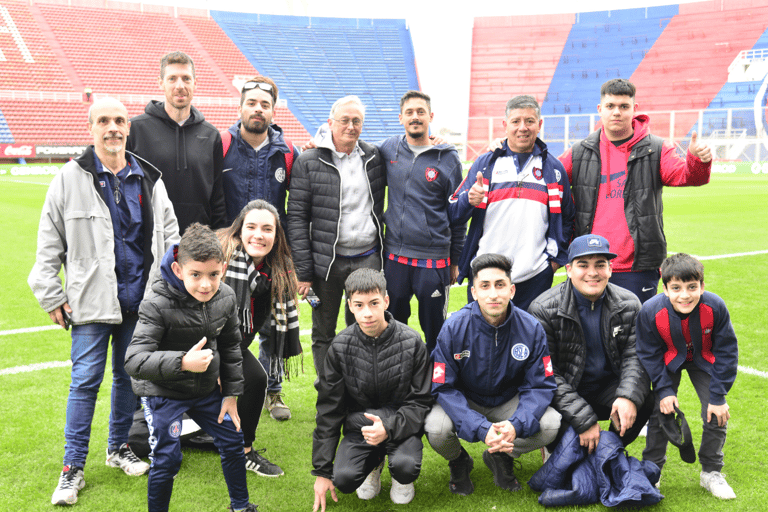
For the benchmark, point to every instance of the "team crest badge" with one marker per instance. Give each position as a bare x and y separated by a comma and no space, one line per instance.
431,174
520,352
537,173
280,174
438,374
557,175
174,429
547,360
461,355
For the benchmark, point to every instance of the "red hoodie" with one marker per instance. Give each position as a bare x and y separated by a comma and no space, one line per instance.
610,220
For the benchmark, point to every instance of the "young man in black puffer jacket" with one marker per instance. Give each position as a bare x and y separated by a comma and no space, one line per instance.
376,384
590,327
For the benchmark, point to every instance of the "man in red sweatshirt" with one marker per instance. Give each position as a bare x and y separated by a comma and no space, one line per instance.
617,174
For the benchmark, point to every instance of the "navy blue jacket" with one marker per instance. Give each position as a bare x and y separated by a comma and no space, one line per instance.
571,476
662,349
249,175
489,366
561,217
420,186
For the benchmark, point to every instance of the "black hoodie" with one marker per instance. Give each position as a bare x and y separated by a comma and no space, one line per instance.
190,157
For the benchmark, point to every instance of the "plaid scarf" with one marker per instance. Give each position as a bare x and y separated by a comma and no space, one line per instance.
249,283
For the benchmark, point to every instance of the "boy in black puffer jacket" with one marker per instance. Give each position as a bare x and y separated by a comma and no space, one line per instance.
187,337
376,385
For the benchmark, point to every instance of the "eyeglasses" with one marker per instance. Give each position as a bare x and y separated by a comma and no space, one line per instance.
344,121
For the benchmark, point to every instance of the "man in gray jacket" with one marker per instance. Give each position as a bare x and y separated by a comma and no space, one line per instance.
108,220
335,211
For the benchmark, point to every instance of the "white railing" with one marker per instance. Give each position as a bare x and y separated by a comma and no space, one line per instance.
141,99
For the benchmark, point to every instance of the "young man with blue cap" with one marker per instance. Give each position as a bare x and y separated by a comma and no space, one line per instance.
590,327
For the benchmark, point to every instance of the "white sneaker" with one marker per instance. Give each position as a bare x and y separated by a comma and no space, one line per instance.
401,494
70,482
372,485
125,459
714,482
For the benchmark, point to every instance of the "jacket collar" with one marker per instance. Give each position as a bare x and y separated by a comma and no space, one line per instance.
385,336
274,133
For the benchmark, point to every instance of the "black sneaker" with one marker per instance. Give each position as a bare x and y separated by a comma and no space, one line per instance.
256,462
503,468
460,467
252,507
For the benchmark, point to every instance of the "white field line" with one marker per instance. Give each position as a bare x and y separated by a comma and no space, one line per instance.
25,182
59,364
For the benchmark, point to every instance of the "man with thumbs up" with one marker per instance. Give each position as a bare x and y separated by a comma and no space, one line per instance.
617,174
519,200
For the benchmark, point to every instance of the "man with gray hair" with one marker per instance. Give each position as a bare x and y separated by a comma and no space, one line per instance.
519,200
108,221
335,216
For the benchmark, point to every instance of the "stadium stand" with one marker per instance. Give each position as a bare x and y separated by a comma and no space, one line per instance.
678,56
510,56
29,64
66,51
235,66
317,60
5,131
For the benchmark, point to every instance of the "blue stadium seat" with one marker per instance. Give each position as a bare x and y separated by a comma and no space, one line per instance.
315,61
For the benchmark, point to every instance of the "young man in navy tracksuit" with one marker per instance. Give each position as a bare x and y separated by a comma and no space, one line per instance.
188,336
689,329
492,380
421,246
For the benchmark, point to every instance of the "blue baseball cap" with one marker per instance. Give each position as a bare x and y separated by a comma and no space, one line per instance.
589,244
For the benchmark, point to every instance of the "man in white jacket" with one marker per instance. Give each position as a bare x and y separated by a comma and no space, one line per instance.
108,220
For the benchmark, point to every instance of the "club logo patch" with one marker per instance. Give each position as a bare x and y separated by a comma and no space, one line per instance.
520,352
103,184
174,429
280,174
537,173
431,174
557,175
438,374
461,355
548,372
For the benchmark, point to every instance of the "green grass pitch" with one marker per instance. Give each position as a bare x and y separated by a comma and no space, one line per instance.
729,216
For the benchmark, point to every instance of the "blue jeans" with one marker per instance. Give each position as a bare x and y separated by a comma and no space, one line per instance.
90,343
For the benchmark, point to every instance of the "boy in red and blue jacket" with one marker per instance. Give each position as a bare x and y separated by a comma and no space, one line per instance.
689,329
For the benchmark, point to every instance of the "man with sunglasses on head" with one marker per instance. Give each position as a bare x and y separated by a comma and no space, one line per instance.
257,156
335,216
175,137
257,165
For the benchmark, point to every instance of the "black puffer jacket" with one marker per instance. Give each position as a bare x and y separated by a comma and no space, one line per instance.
170,323
558,313
389,374
642,196
314,207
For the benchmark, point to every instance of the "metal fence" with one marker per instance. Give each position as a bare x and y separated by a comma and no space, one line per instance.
733,134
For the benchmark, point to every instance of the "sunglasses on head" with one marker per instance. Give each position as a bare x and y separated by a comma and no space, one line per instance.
247,86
